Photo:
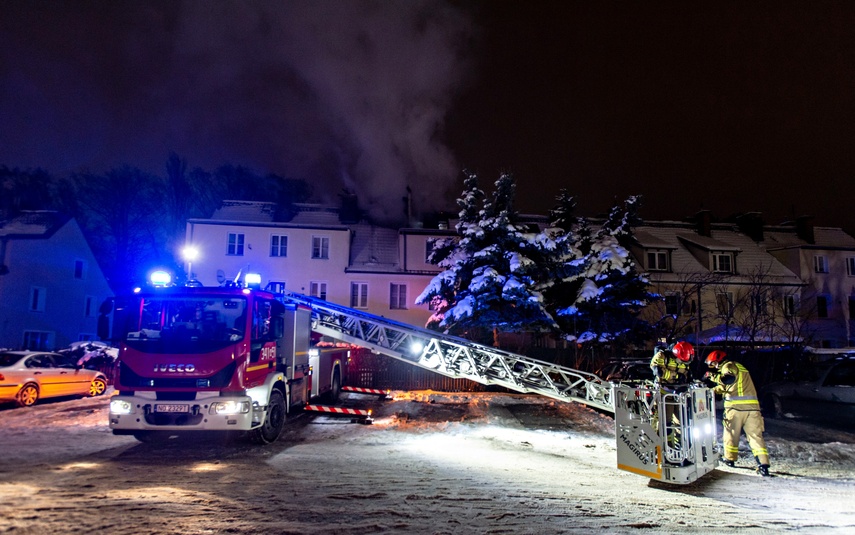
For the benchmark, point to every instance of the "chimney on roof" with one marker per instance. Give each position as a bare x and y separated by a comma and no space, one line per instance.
751,224
703,220
804,228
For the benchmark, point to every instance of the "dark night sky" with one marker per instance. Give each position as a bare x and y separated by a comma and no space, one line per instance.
732,107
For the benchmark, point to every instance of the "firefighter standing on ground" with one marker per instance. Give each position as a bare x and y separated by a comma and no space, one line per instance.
741,409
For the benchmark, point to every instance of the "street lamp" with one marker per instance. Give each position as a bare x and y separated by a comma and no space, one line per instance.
190,254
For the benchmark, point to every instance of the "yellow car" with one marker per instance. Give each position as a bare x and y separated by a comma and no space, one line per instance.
27,376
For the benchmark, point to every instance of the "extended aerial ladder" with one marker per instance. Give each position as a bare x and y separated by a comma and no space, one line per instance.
646,444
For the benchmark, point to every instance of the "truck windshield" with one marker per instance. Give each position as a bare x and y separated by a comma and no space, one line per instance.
200,319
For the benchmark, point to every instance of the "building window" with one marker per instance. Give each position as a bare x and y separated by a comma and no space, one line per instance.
320,247
318,289
673,304
790,305
820,264
759,305
235,244
851,308
657,260
37,340
276,287
88,309
722,262
822,306
358,295
79,269
37,299
850,266
398,296
279,245
724,303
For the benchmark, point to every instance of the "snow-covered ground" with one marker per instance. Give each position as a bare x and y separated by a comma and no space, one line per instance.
430,463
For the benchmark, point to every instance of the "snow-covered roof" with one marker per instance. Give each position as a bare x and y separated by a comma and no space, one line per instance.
751,256
706,242
32,224
249,211
824,237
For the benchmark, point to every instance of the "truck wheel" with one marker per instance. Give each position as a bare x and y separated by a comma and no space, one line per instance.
335,388
273,423
28,395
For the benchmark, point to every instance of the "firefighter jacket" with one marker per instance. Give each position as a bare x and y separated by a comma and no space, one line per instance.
734,383
671,370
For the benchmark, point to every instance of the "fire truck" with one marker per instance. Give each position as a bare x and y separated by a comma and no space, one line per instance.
216,359
241,359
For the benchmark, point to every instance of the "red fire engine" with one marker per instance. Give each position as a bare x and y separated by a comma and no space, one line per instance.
216,358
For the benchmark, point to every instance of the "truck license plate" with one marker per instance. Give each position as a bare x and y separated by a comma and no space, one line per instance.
171,408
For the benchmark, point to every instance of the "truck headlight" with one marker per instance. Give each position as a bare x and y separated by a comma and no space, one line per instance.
229,407
120,406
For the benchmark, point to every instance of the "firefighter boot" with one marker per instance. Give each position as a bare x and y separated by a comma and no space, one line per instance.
763,470
728,462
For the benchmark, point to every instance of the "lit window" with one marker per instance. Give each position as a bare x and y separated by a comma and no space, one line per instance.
320,247
657,261
722,262
358,295
279,245
235,247
397,296
318,289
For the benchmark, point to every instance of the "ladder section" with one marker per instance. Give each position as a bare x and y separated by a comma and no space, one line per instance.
455,357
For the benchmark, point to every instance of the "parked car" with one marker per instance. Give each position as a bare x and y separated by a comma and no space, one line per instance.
626,371
27,376
824,392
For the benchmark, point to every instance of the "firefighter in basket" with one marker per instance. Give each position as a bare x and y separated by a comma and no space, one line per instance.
741,409
672,372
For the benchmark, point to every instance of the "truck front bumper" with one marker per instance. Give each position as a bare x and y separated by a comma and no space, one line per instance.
215,413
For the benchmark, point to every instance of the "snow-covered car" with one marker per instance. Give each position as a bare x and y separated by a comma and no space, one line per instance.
626,371
27,376
824,392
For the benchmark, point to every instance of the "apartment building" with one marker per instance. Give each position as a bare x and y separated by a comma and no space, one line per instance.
745,281
363,266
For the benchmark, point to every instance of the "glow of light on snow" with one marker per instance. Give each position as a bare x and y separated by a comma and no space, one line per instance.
81,466
207,467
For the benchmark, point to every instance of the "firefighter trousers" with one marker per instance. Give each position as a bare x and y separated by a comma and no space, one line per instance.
734,423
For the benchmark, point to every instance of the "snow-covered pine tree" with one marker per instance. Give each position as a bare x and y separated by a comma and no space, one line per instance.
611,292
487,279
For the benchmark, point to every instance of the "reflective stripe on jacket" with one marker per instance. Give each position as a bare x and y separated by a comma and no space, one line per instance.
741,394
671,369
